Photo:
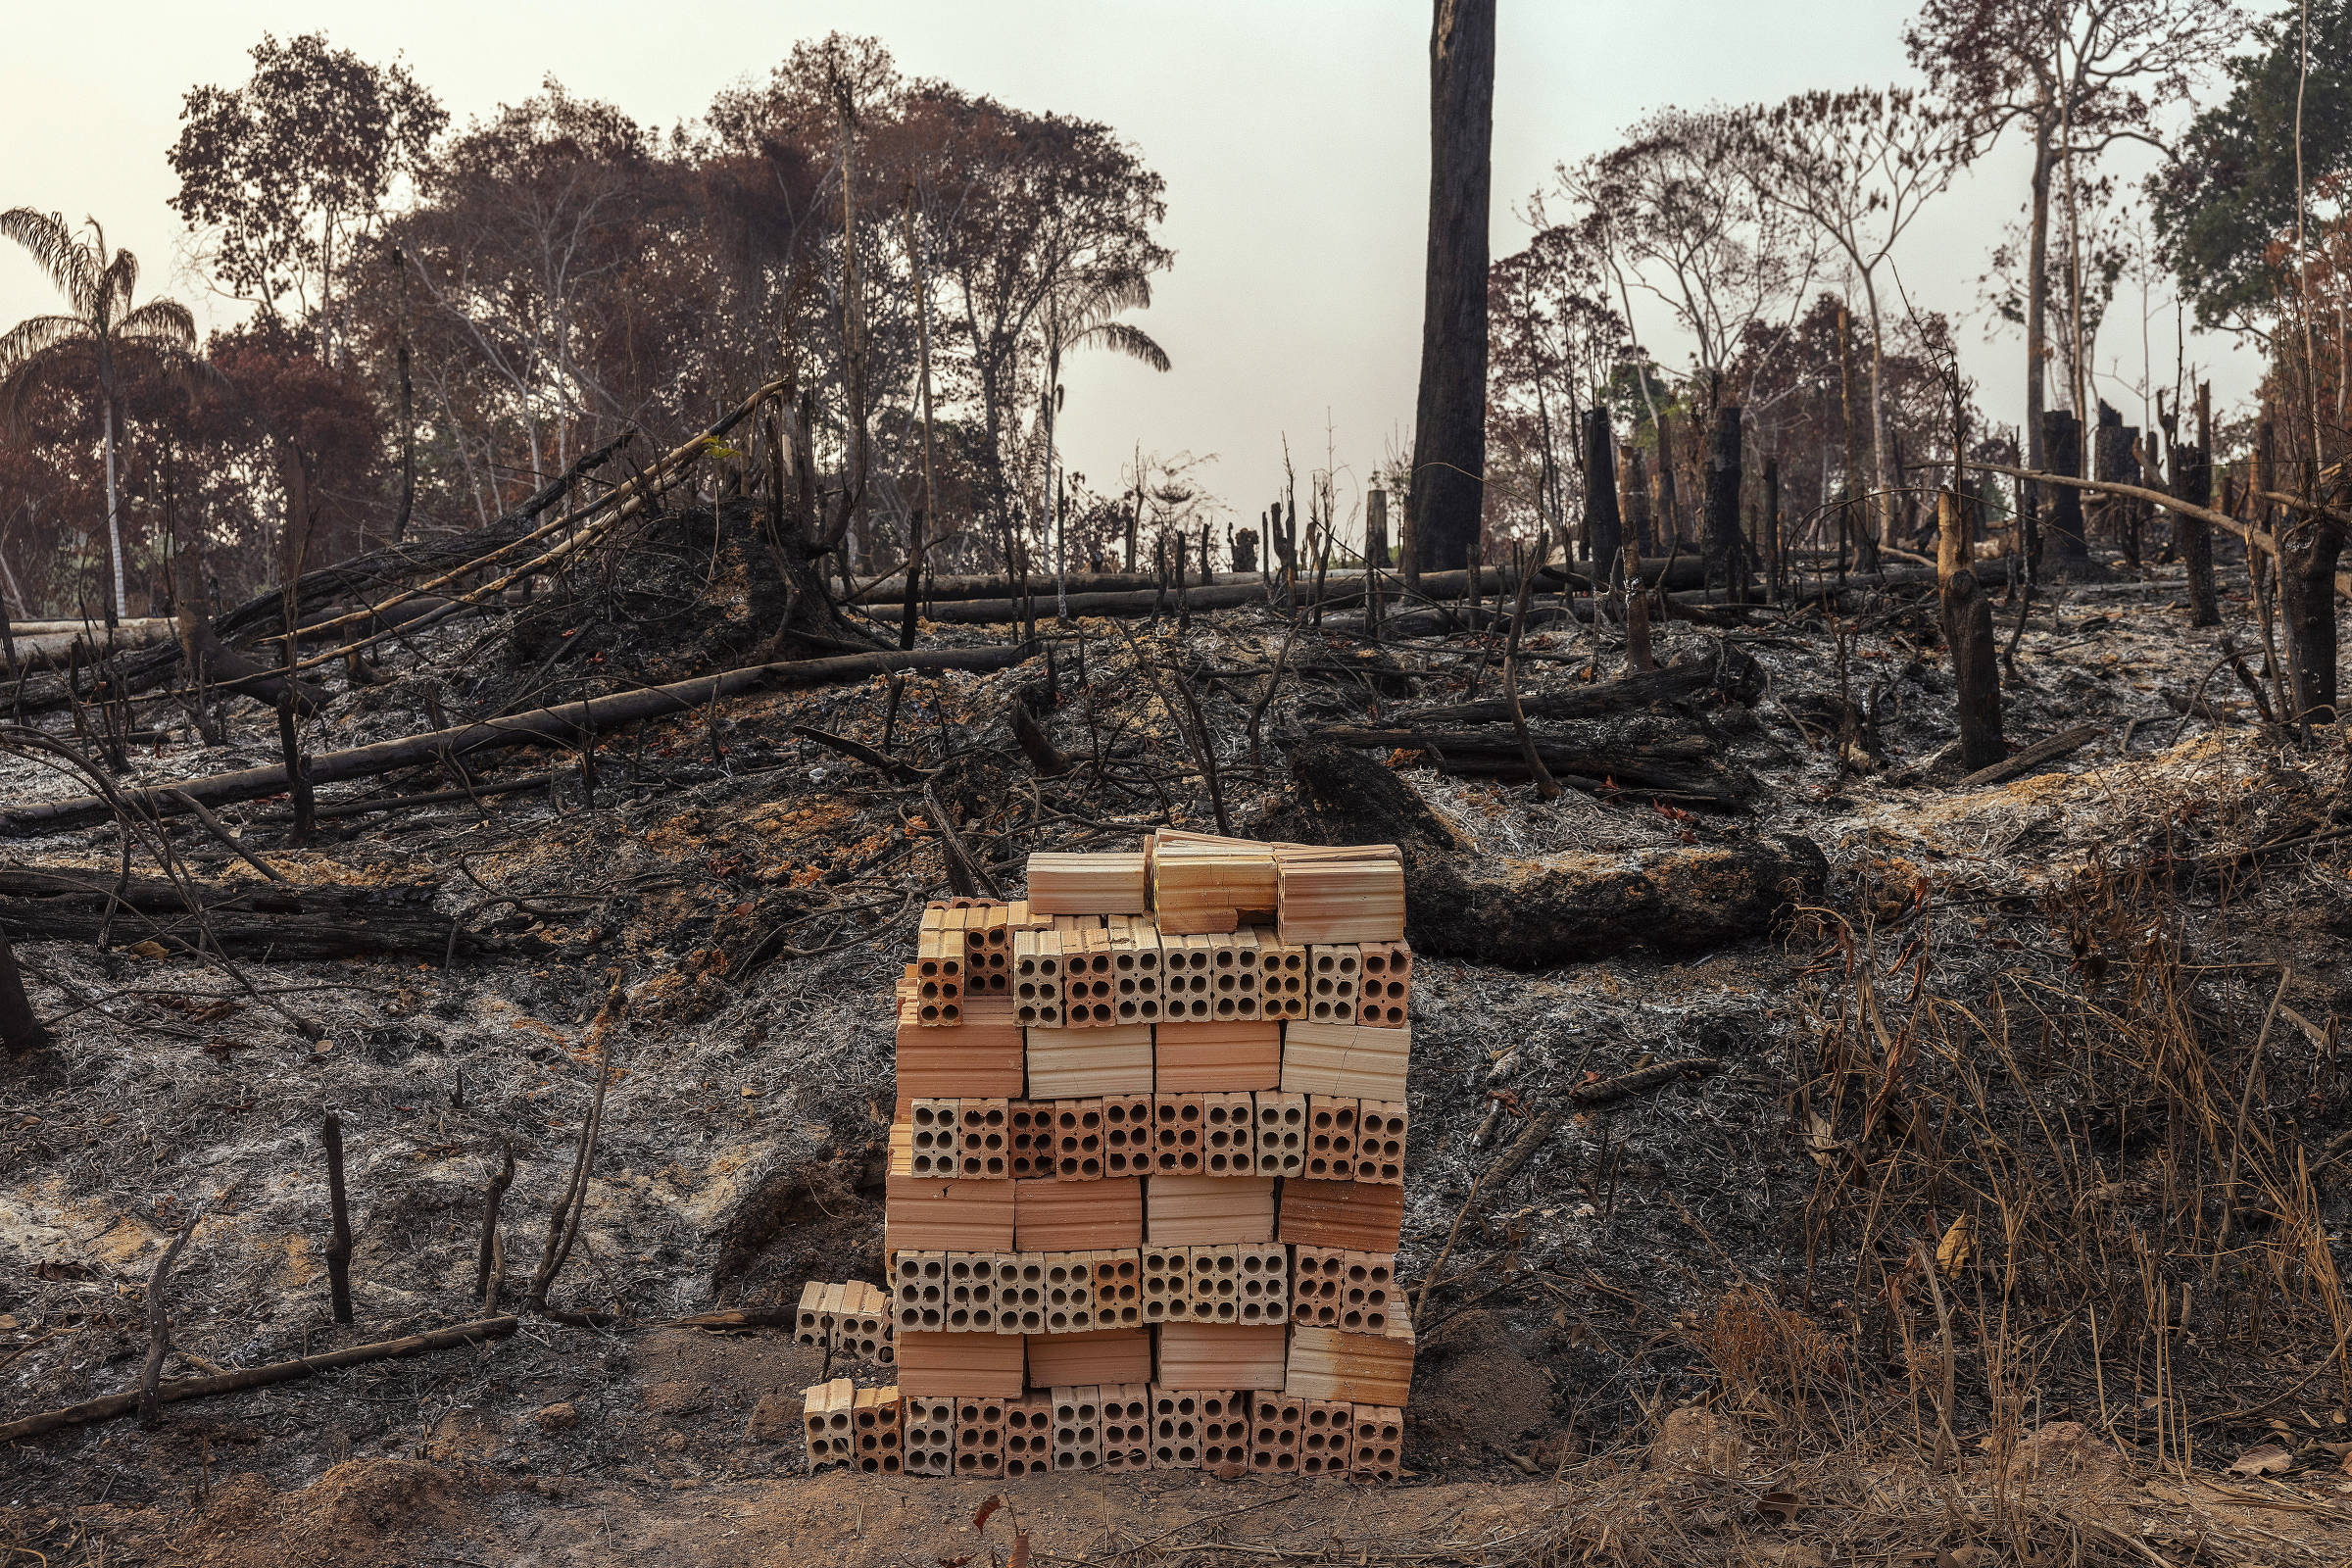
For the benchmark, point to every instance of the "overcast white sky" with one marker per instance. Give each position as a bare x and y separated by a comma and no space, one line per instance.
1292,134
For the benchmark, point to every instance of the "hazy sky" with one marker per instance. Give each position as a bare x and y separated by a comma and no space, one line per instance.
1292,135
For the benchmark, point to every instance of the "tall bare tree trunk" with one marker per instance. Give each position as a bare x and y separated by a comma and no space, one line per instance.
1605,531
1882,465
2309,545
915,564
2193,481
1449,416
408,411
115,607
1853,517
1632,499
1547,485
843,532
1968,633
1134,513
1666,516
1725,551
2037,255
2062,440
2117,461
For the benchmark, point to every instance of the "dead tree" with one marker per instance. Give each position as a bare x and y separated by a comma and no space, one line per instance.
2193,481
2112,460
916,564
2062,442
1968,633
2308,548
1853,517
1605,530
1633,498
298,778
1547,787
1445,507
806,528
1726,552
490,1266
1637,656
19,1030
563,1220
338,1247
2266,570
158,1320
1666,516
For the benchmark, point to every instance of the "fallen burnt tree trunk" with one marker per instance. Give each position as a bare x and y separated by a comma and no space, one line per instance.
443,559
142,669
1735,676
892,590
1673,574
1555,909
1339,588
566,725
227,670
108,1408
47,645
138,670
290,921
2027,758
1567,908
332,621
1138,601
1705,607
1673,770
363,575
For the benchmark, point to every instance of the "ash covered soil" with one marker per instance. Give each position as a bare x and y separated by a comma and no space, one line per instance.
1968,1046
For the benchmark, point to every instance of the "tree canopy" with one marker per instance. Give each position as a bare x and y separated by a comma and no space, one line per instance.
2225,207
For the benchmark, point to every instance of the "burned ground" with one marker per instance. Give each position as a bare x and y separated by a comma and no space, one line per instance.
2024,1096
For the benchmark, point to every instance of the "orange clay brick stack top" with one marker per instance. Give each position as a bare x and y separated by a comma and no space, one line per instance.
1145,1176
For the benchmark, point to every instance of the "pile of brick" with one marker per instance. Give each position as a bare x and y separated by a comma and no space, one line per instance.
1147,1173
848,1321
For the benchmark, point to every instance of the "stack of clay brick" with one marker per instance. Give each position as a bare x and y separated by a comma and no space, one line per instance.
1147,1173
848,1321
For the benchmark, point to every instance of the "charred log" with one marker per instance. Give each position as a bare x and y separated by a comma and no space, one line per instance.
566,725
1562,908
289,921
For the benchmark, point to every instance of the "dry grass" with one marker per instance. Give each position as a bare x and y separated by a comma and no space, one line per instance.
2067,1190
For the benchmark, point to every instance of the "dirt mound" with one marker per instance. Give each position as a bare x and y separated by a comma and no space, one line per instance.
1477,1397
362,1511
368,1509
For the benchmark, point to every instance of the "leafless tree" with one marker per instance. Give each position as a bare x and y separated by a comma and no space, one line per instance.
2077,76
1859,165
1692,228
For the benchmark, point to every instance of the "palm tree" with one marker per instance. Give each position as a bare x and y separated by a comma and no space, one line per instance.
1083,317
101,338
